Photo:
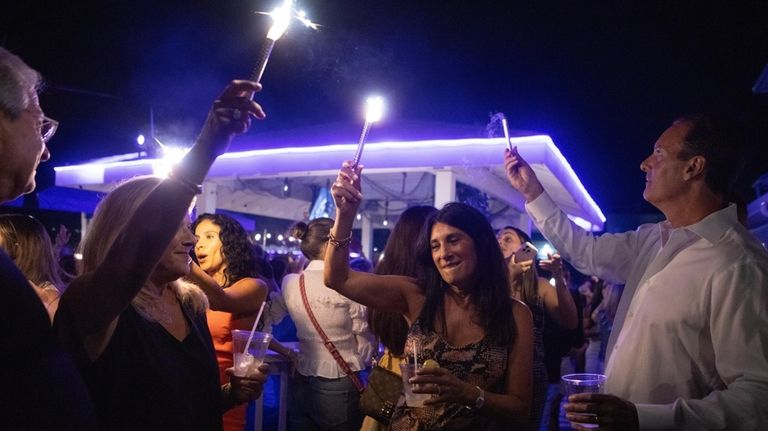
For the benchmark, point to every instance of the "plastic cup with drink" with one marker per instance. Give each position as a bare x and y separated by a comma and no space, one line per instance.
407,370
249,348
582,383
248,361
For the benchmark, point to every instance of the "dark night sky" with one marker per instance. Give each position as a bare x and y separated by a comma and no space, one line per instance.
602,78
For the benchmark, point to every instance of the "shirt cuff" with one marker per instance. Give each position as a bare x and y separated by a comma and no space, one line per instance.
542,207
652,417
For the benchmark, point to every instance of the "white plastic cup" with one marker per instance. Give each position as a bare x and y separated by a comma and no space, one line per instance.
411,400
247,363
582,383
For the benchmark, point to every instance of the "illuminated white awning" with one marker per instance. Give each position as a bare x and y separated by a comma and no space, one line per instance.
400,172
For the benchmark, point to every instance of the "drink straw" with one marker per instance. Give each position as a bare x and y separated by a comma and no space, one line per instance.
256,322
415,355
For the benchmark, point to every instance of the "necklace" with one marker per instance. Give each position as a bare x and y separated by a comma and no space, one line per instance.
154,307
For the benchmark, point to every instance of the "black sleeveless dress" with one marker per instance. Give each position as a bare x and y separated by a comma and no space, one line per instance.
146,379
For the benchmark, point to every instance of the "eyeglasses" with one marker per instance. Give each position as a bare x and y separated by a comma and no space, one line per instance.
48,128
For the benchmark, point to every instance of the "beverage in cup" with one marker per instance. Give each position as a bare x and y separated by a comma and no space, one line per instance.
582,383
408,370
247,363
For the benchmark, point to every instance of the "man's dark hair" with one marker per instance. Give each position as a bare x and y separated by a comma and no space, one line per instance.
722,144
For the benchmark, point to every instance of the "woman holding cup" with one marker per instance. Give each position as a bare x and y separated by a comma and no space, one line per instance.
479,340
226,272
136,330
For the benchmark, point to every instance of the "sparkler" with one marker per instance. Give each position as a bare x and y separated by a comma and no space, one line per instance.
506,132
281,19
374,109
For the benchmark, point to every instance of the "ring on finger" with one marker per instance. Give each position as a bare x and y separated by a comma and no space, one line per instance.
237,114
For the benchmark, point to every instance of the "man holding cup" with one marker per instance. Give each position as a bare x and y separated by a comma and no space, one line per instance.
688,350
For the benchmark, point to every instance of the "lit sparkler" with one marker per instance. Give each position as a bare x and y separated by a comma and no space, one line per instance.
281,19
374,109
506,132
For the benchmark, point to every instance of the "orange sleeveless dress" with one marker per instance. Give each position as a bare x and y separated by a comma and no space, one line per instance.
221,324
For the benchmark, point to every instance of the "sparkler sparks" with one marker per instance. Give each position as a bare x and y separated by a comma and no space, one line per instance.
281,19
374,110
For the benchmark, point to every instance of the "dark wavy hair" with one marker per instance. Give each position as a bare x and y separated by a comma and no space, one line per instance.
399,258
529,280
313,236
489,291
235,247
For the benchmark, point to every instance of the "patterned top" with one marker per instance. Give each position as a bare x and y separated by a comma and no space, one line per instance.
481,364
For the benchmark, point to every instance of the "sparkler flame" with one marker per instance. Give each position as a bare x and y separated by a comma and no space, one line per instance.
302,17
374,109
282,16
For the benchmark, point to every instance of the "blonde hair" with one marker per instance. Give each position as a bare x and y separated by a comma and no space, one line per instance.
111,216
27,242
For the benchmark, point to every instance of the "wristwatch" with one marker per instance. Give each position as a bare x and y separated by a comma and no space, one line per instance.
480,401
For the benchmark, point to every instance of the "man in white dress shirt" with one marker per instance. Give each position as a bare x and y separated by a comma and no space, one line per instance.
689,348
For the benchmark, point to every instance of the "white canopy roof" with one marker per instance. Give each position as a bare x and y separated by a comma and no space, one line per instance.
397,174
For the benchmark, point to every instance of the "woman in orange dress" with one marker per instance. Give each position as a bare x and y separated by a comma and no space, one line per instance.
226,272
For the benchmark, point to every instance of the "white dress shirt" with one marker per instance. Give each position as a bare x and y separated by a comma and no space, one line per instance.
690,339
343,320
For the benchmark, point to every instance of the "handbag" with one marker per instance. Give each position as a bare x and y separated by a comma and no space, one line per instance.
326,342
380,397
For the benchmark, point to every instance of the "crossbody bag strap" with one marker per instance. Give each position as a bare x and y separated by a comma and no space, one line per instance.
328,343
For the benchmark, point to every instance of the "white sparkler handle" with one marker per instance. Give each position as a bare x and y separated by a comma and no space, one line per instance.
361,143
261,63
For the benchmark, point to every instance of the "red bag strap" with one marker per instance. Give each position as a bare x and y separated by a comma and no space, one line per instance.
328,343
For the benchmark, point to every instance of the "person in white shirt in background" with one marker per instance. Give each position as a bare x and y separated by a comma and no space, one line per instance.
689,348
322,397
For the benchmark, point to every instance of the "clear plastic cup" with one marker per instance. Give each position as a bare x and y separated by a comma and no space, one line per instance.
582,383
411,400
247,363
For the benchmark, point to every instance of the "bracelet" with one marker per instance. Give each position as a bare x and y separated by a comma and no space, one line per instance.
181,180
339,243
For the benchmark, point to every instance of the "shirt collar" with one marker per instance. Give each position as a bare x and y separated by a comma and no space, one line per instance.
715,225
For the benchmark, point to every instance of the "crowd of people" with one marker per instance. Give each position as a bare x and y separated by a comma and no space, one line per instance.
141,336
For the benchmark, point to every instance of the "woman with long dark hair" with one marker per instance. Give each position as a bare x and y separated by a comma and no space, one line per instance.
544,300
398,258
226,272
460,315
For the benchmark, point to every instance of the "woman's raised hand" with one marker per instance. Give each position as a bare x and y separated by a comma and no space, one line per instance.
346,189
230,115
